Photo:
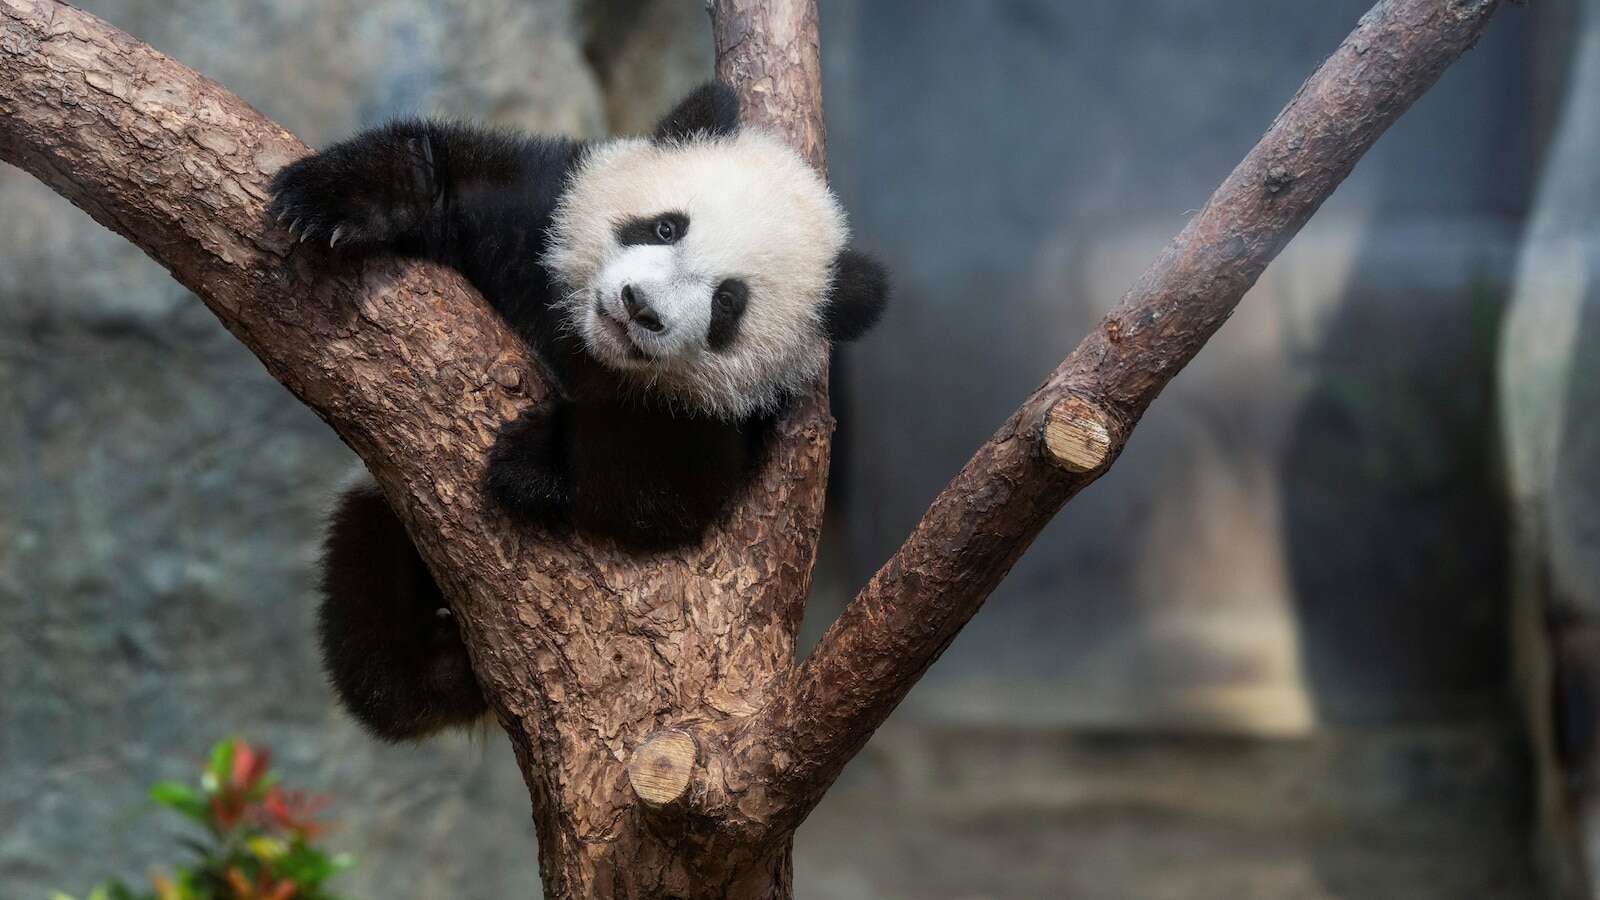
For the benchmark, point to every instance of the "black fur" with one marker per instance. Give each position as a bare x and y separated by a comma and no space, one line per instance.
712,109
727,311
647,476
860,292
389,644
611,460
650,230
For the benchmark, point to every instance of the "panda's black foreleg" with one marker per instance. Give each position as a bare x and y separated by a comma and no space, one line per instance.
396,187
527,474
363,194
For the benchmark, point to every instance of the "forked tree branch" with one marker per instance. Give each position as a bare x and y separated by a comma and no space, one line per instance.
584,651
1071,429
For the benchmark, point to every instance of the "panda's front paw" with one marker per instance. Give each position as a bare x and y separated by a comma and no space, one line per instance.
524,477
308,200
358,196
529,492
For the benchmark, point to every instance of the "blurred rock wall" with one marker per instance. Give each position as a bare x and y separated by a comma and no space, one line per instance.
1548,395
1307,526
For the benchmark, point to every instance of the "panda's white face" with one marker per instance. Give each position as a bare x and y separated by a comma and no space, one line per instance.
700,268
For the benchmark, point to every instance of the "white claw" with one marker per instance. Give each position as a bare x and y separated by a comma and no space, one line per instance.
337,234
292,226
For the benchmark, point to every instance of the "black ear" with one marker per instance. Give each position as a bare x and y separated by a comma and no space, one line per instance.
860,290
712,108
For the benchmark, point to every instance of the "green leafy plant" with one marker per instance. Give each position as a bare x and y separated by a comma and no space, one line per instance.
257,841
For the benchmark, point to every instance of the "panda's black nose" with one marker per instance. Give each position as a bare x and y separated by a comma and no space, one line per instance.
639,310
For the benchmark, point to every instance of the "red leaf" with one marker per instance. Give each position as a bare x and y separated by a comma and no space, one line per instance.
249,765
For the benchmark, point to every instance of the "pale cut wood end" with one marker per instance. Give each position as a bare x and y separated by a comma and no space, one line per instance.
1077,434
661,766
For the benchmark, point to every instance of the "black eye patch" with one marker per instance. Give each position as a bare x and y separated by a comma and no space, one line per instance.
727,309
664,228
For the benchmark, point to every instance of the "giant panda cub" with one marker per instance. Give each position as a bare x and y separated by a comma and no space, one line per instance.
680,288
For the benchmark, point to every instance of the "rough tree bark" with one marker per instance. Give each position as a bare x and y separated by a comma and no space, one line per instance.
670,744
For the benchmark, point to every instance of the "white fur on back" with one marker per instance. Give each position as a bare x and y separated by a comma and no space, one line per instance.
756,212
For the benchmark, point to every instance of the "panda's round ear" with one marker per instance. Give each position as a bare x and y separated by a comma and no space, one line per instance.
712,108
860,291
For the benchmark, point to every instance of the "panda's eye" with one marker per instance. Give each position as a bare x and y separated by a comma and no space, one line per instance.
661,229
726,300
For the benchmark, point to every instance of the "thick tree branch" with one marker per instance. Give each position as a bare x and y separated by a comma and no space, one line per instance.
176,164
771,51
405,362
984,519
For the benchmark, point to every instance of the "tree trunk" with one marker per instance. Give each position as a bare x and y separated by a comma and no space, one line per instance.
669,742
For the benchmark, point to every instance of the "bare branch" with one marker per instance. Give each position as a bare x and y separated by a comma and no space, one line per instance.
178,165
769,51
175,163
1070,431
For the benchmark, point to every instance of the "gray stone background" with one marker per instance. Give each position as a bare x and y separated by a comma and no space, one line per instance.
1268,656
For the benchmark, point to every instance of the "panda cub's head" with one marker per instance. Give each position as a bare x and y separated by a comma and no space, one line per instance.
708,263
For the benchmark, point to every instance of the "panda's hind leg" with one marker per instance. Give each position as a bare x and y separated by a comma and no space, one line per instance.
390,647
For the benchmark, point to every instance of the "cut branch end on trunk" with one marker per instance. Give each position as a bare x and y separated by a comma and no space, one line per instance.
661,768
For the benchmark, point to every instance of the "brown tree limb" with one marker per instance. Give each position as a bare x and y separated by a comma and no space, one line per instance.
979,525
772,52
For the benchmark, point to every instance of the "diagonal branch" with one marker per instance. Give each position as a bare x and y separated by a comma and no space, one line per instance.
1071,429
405,361
178,165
